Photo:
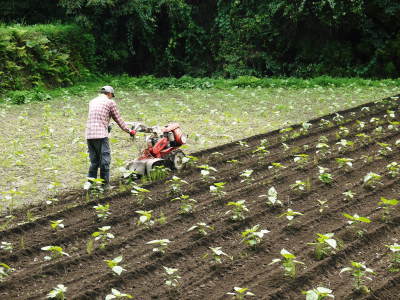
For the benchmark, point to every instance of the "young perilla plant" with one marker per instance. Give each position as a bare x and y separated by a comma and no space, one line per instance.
186,204
348,195
217,189
319,293
201,228
58,292
355,221
238,213
205,173
253,236
302,160
145,218
393,169
240,293
160,246
372,180
324,245
58,224
272,197
55,252
395,257
5,271
290,214
103,211
384,149
6,246
387,205
246,176
288,262
344,163
171,277
113,264
176,185
140,194
117,294
217,255
324,176
359,272
103,236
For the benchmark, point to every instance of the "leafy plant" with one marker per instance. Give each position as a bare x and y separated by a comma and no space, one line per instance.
288,262
342,132
58,292
384,149
395,253
371,180
172,277
345,145
240,293
6,246
160,245
5,271
355,221
324,176
113,265
299,186
186,204
201,228
238,211
252,236
387,205
117,294
359,272
322,205
103,236
57,224
217,189
217,255
140,194
246,176
319,293
290,214
55,252
349,195
272,197
145,218
345,163
103,211
302,160
393,169
176,184
323,149
276,166
324,245
206,173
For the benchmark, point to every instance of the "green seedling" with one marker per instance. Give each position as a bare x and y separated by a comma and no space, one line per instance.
394,125
338,118
6,246
243,144
117,294
217,255
322,205
305,126
190,160
288,262
55,252
238,213
360,125
319,293
160,245
387,205
299,186
140,194
58,292
390,114
5,271
345,145
342,132
246,176
103,236
261,152
323,149
290,214
359,272
94,187
285,147
364,138
272,197
348,195
393,169
323,123
201,228
324,245
128,175
285,133
240,293
172,277
58,224
206,173
217,189
324,176
275,167
378,131
186,204
103,211
372,180
395,253
344,163
302,160
51,201
145,218
233,161
113,265
158,173
384,149
252,236
355,222
176,185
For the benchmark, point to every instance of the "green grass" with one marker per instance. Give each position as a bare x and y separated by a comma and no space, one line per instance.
44,151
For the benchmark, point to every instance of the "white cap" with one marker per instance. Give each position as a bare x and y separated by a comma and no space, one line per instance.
107,89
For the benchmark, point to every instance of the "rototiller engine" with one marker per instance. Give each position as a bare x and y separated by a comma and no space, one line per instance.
162,149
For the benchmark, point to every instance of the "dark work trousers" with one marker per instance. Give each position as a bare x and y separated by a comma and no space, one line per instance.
100,157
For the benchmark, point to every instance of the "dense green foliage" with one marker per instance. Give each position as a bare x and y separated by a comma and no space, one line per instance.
43,56
233,38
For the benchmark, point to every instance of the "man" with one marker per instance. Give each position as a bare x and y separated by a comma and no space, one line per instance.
101,110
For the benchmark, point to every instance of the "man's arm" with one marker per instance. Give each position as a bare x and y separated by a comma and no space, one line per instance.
117,117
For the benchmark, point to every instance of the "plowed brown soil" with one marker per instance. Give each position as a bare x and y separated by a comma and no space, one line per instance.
87,276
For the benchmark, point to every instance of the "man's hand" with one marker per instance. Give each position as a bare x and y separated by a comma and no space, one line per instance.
132,133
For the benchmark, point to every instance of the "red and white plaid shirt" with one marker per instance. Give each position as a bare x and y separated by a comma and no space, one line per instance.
101,109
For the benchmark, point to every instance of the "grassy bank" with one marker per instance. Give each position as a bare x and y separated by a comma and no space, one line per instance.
44,150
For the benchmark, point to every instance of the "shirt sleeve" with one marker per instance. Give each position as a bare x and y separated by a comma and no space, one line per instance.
117,117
